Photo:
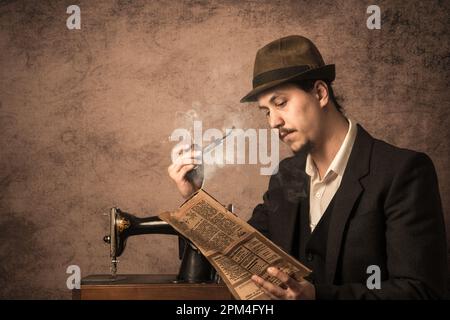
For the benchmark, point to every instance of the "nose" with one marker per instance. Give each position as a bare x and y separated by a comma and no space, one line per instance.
275,119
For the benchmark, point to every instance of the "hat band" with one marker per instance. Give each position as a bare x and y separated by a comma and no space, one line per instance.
278,74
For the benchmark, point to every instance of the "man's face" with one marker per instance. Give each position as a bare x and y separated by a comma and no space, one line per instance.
296,113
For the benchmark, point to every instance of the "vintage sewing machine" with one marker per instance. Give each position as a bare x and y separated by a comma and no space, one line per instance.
194,268
196,278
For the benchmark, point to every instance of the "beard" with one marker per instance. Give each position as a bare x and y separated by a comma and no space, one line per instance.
305,148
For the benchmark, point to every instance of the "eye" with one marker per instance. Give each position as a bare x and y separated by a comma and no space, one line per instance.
265,111
281,104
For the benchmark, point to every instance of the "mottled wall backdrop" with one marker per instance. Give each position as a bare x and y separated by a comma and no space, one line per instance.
85,115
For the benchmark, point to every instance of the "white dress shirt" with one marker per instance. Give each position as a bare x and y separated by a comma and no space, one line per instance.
323,190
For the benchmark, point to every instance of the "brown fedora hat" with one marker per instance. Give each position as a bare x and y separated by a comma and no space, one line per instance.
291,58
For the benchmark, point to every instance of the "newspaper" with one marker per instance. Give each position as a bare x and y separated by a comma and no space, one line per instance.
233,247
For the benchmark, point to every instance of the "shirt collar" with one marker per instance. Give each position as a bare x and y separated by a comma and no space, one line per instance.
340,160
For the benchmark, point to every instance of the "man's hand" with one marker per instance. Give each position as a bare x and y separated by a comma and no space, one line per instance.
185,159
292,290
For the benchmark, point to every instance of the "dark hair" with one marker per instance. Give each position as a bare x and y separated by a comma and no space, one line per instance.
308,85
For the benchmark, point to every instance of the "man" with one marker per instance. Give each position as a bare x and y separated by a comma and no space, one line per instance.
345,203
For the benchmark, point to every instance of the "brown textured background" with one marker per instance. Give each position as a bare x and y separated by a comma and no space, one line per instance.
85,114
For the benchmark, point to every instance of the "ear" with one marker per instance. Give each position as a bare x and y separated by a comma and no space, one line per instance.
321,89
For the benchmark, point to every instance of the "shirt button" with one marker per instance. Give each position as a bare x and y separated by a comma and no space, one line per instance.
310,257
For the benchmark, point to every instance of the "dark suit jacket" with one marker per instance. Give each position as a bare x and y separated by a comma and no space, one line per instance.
387,212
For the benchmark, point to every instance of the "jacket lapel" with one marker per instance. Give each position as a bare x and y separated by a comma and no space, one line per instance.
348,193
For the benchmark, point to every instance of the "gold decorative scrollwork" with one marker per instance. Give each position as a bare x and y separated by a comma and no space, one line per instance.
123,224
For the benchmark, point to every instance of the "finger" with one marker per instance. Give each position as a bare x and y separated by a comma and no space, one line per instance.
283,277
174,168
181,148
184,148
259,282
270,287
186,169
188,158
271,296
177,169
197,148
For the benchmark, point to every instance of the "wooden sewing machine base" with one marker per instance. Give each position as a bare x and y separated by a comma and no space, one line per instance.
147,287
